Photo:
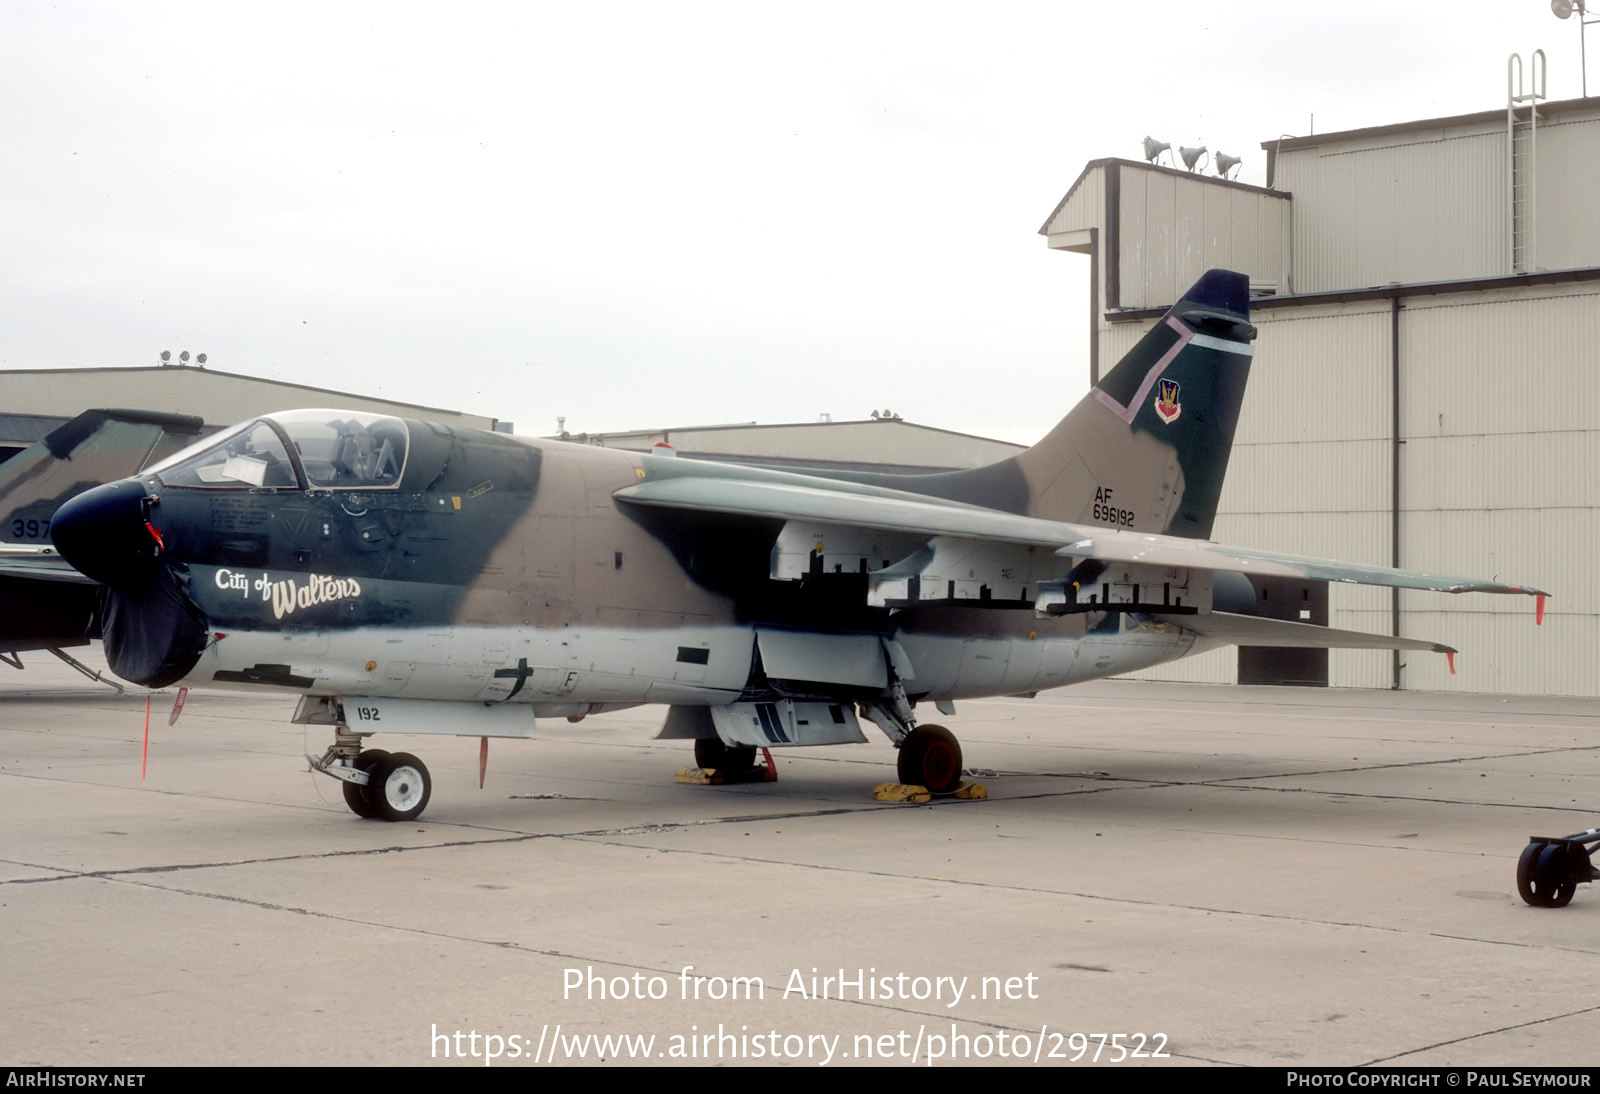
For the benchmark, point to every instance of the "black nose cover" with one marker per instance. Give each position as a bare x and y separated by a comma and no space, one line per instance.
153,632
106,534
153,636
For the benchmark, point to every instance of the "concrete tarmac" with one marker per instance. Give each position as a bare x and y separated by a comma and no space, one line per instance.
1226,875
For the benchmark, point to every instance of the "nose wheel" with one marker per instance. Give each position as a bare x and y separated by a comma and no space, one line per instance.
377,785
398,787
355,794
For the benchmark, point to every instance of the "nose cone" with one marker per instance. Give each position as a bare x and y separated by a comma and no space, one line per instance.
153,632
103,533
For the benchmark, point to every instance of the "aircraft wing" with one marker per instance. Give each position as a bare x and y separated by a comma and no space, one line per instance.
49,604
1111,546
37,564
851,505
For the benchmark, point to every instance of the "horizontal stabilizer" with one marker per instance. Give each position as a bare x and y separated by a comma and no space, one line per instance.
1200,555
1251,630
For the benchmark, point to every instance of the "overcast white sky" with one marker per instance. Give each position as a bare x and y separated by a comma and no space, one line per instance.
654,214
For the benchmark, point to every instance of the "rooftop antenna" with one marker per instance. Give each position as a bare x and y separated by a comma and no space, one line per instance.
1563,9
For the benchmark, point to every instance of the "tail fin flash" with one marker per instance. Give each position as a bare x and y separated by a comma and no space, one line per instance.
1148,447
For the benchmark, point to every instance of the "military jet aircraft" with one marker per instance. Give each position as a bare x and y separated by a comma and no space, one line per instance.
412,577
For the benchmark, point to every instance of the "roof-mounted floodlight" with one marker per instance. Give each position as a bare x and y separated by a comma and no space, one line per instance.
166,355
1154,148
1226,163
1191,156
1563,8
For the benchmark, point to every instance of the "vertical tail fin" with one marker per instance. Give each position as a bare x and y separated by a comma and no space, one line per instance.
1148,447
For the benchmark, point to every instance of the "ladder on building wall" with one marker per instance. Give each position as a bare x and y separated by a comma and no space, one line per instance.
1522,148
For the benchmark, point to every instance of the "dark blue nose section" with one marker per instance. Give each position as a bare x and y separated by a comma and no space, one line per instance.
154,634
107,534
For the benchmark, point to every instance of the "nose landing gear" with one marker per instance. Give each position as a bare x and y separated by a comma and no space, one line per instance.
355,794
398,787
377,785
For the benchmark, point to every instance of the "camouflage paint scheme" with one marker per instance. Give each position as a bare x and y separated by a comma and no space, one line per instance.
767,607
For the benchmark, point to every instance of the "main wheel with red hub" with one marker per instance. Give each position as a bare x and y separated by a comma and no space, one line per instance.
930,756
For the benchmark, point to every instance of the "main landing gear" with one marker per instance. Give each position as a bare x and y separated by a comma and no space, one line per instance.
712,753
1552,867
377,785
718,763
930,756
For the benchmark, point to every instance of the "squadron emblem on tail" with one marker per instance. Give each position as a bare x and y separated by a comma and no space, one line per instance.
1167,406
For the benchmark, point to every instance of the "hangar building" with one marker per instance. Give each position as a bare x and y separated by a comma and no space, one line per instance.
35,401
1425,392
886,443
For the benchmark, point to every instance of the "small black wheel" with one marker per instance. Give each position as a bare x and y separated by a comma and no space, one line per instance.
355,795
712,754
399,788
931,757
1543,878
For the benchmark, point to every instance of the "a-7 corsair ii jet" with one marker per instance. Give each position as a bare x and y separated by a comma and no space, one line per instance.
407,576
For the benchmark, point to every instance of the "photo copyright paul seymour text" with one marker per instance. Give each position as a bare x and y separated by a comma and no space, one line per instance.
1461,1078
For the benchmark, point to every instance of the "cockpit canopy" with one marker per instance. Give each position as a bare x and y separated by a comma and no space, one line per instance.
325,449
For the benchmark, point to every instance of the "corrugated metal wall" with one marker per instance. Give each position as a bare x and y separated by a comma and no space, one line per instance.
1569,165
1431,204
1361,218
1500,477
1083,208
1174,227
1499,464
